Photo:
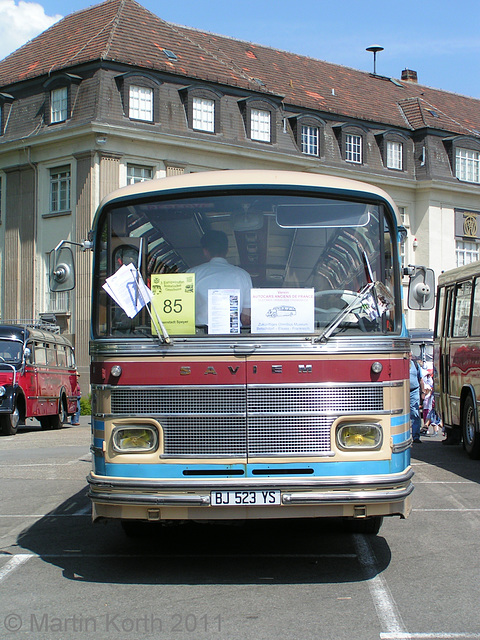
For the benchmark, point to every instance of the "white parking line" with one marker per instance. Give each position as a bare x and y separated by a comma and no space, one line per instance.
14,562
429,636
387,612
460,510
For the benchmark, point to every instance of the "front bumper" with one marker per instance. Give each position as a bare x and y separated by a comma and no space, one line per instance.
159,499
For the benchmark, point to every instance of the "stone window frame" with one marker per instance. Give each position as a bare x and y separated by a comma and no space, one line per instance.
55,188
187,94
68,81
145,81
247,105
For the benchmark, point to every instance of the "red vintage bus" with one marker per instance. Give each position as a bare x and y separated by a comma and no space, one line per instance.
457,355
38,377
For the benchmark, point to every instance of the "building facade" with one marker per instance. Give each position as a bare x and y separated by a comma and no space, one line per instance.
113,95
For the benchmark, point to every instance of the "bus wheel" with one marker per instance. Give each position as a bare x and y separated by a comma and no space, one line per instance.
9,422
58,420
45,422
471,437
370,525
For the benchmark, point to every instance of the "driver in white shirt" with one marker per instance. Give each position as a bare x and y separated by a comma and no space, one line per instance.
218,273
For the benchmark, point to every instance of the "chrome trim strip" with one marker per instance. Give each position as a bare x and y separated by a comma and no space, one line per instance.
299,385
400,447
309,455
389,495
301,345
149,500
203,484
363,497
306,414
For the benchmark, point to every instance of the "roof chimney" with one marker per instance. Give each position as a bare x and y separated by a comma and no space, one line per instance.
409,76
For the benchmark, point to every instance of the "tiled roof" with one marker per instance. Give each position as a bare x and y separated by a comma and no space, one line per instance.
125,32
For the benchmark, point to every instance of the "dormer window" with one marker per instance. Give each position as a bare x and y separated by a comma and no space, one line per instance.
392,146
202,108
61,91
310,140
58,105
351,141
353,148
260,120
394,155
140,96
140,103
5,105
464,156
260,125
467,165
203,114
307,131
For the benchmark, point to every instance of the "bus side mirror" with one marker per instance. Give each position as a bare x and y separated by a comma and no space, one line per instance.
421,288
61,269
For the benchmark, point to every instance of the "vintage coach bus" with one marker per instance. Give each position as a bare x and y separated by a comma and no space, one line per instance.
38,377
302,414
457,355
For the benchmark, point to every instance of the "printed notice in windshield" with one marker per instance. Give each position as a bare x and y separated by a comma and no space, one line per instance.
283,310
174,301
223,311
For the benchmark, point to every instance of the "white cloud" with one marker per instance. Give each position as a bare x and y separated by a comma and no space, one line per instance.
20,22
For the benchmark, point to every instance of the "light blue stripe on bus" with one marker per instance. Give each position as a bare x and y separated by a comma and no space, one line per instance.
98,461
99,425
397,421
324,469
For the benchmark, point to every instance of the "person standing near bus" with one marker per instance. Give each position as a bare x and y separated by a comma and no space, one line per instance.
75,420
416,388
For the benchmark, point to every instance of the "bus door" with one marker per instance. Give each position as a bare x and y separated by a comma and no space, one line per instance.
444,322
31,381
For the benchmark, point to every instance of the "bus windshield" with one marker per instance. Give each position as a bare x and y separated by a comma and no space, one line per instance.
10,352
240,262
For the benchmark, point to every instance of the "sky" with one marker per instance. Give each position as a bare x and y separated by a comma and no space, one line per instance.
437,38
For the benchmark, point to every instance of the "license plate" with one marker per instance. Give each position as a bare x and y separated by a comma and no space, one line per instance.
244,498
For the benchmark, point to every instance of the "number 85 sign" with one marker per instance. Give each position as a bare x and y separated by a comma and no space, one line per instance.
174,301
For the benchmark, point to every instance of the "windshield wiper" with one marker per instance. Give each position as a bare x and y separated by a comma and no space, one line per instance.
330,328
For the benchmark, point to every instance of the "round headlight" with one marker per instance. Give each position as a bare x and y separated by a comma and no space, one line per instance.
359,436
377,367
2,391
116,371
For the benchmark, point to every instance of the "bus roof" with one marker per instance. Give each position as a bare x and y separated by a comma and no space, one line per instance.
24,333
231,177
460,273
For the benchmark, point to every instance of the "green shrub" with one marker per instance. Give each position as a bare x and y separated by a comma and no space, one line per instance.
86,406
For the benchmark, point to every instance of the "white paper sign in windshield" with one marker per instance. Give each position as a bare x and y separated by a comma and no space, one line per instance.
223,311
128,289
283,310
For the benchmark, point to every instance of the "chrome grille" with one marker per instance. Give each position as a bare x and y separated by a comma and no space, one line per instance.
289,435
210,435
178,400
253,420
310,399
